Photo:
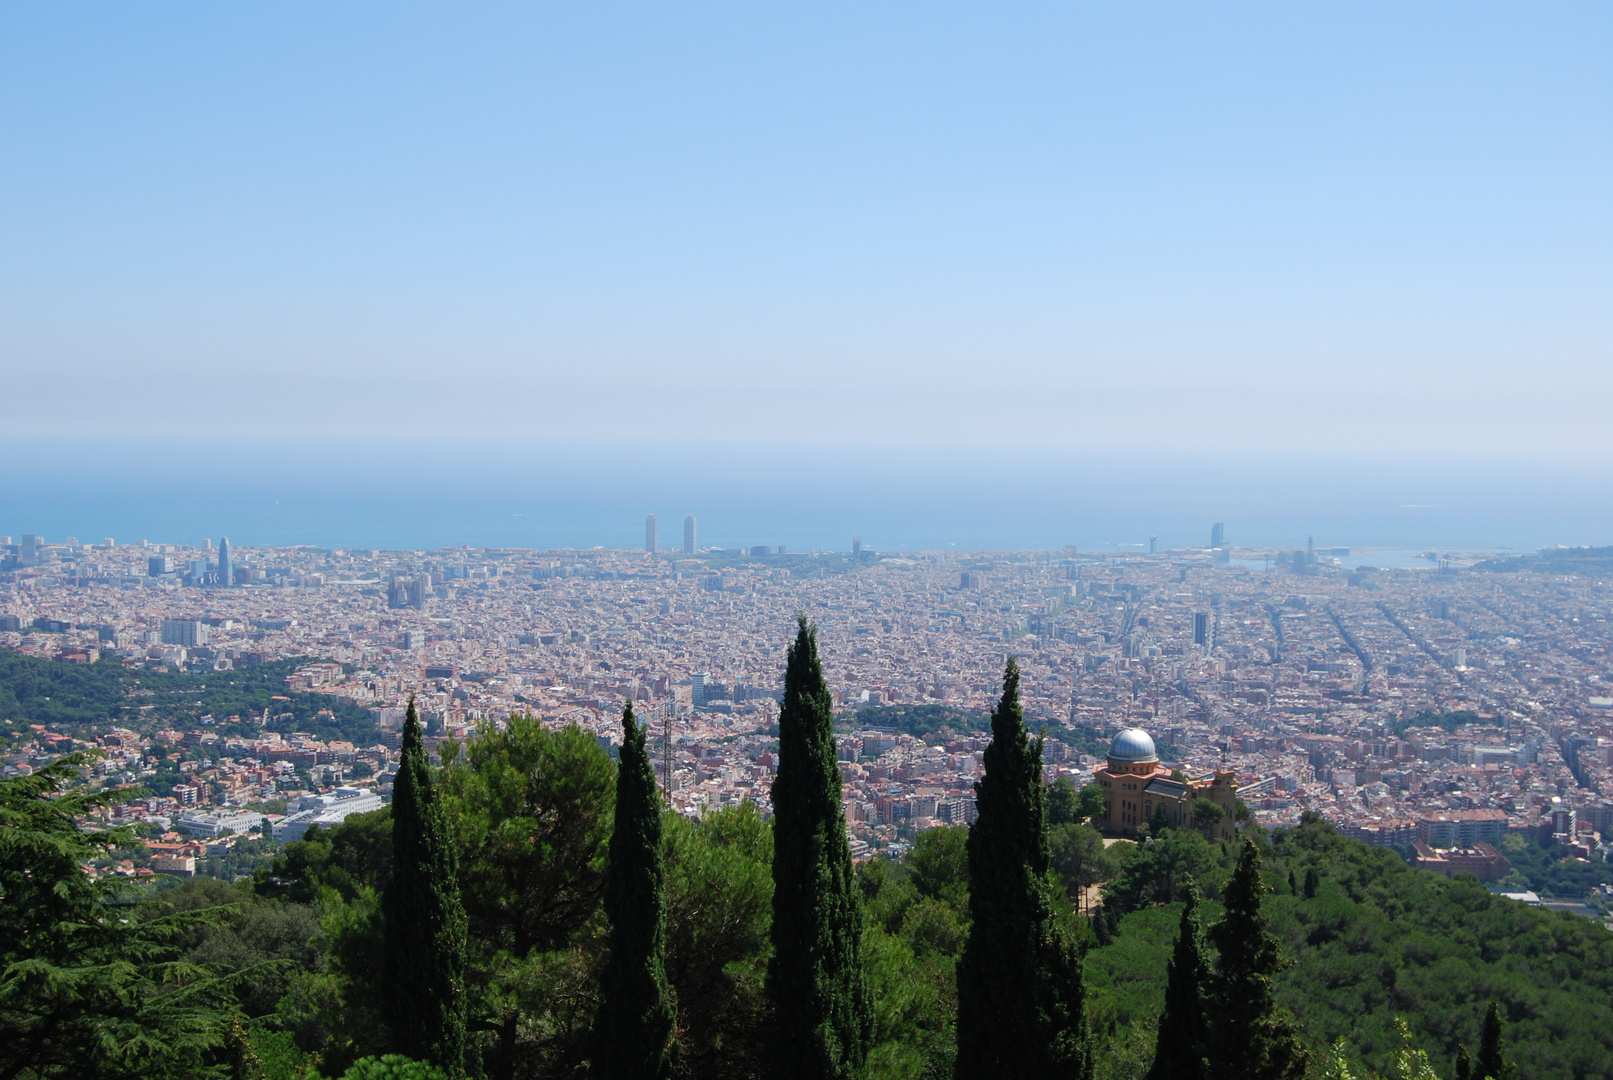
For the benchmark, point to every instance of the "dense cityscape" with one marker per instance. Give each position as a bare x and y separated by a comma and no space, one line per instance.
1434,709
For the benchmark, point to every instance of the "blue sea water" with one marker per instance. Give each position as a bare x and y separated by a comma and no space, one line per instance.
522,493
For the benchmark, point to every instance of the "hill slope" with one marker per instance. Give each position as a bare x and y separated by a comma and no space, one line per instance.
1381,940
75,698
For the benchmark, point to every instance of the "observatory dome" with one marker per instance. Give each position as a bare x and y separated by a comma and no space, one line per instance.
1133,746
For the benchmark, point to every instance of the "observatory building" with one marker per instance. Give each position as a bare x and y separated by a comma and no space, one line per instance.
1135,786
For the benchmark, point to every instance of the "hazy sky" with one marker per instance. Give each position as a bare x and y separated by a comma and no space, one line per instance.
1372,228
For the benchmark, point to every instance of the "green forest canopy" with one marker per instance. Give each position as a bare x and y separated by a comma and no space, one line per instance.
921,720
1449,721
76,699
1376,941
1379,940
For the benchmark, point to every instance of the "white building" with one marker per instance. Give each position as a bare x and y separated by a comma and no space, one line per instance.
215,825
325,811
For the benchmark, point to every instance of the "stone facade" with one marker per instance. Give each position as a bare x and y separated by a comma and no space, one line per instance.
1134,785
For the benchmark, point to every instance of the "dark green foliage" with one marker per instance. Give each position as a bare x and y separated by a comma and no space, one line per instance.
719,893
1206,816
423,996
1313,882
1160,872
85,991
1105,925
1079,857
1448,721
272,940
1550,871
58,695
1253,1038
822,1015
1382,940
1492,1063
1183,1042
1066,806
938,865
1464,1065
1159,822
634,1031
1019,979
1062,804
918,921
920,720
355,855
532,812
393,1067
1090,806
71,697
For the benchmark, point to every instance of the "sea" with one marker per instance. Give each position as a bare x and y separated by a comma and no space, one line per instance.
405,493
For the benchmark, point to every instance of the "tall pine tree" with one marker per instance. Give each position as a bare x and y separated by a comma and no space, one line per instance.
633,1033
822,1015
1019,979
1492,1063
1180,1049
1252,1037
423,996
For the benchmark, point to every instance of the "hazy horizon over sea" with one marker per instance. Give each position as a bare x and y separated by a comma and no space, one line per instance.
524,493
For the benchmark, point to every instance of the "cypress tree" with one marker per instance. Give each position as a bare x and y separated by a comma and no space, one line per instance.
1252,1038
634,1028
1492,1063
1179,1051
423,996
822,1015
1019,980
1464,1067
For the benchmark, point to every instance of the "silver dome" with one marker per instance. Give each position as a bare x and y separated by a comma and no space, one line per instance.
1133,745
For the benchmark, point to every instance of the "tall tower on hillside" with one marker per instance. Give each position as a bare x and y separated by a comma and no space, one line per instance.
688,535
226,571
649,534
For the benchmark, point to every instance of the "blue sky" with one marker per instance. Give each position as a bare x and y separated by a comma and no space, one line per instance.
1369,229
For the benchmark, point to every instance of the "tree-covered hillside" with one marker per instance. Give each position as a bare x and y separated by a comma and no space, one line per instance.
79,698
1376,941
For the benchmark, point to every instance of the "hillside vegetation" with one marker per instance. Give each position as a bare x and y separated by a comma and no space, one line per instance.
75,699
1377,940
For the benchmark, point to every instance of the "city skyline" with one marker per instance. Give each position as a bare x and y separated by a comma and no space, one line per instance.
1129,473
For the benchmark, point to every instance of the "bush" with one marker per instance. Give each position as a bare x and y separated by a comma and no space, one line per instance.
393,1067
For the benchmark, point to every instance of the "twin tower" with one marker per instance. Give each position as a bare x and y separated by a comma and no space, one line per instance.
688,534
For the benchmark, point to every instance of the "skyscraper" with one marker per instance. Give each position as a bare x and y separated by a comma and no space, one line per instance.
649,534
226,572
1201,628
856,547
688,535
1218,534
